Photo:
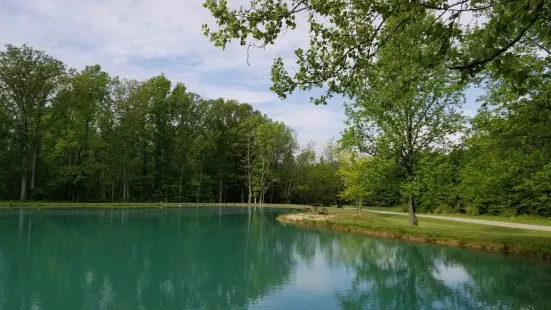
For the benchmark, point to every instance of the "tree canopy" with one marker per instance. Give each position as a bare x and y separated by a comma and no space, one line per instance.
404,65
83,135
346,37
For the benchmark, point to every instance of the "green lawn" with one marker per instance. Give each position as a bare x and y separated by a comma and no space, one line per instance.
499,239
523,219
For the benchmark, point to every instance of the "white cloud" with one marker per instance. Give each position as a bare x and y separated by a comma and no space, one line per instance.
127,37
313,123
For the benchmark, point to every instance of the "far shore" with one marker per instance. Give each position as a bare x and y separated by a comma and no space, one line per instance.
54,205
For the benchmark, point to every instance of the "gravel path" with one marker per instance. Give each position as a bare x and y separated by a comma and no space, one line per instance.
472,221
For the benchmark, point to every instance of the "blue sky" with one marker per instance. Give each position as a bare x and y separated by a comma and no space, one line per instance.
143,38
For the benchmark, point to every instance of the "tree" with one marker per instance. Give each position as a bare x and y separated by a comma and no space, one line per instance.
367,179
28,80
275,142
507,165
355,182
73,135
187,115
345,37
249,132
405,110
305,164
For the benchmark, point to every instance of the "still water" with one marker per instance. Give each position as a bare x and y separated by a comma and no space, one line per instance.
240,258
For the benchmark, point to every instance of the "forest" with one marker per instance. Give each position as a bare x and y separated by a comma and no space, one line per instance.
70,135
403,68
85,136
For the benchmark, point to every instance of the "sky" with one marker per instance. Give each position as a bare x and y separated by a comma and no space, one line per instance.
140,39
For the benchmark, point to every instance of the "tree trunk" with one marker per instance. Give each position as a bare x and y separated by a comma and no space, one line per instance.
180,187
411,212
199,188
113,190
127,190
124,191
220,190
250,188
23,186
272,195
102,185
34,164
23,195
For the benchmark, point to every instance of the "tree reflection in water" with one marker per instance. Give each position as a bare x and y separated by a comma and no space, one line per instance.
390,274
219,258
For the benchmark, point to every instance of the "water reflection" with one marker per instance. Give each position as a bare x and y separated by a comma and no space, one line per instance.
394,275
219,258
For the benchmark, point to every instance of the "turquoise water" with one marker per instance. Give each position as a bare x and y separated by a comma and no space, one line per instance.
239,258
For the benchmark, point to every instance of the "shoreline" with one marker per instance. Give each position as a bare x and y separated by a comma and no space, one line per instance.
339,224
128,205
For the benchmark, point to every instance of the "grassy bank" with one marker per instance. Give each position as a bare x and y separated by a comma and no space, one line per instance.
489,238
521,219
46,205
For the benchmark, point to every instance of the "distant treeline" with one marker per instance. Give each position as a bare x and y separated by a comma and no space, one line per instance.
69,135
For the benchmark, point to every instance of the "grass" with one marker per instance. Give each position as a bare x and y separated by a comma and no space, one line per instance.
46,205
521,219
490,238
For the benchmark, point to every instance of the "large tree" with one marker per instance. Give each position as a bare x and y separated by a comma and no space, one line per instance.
345,36
405,110
28,80
73,135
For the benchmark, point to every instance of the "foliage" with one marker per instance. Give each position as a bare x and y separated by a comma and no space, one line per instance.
369,180
509,152
405,111
86,136
346,37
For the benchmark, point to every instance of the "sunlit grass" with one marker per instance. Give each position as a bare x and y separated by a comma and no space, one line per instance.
502,239
523,219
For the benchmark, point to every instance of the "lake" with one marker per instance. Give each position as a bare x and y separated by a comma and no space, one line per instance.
241,258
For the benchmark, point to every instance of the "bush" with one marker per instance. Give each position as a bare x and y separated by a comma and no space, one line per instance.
472,210
443,208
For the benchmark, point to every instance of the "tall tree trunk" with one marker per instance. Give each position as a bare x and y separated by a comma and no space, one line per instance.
157,175
86,134
124,183
198,200
127,190
34,164
113,190
144,168
412,218
250,188
220,190
410,166
23,186
288,191
272,195
23,155
102,185
181,182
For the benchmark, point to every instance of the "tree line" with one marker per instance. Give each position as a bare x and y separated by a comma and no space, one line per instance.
404,66
83,135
